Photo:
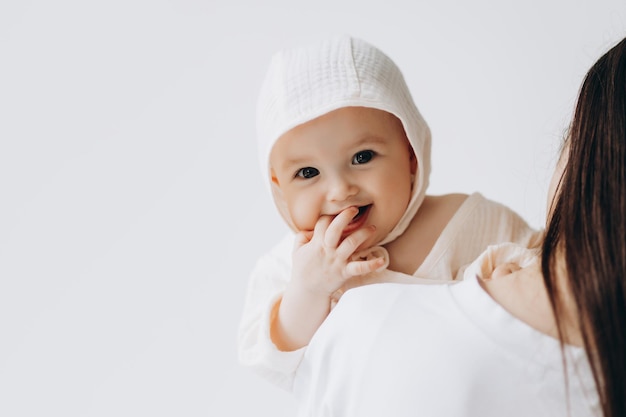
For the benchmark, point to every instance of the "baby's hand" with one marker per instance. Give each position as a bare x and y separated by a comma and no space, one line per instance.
322,260
504,269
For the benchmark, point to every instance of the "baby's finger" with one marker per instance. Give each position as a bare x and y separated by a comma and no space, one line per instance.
321,226
302,238
336,227
356,268
351,243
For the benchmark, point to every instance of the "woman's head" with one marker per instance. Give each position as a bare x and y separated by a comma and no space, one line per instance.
586,231
305,83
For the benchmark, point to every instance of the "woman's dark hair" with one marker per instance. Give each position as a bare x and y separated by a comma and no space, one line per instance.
586,233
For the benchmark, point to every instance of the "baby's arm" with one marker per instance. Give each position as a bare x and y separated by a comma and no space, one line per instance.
267,287
321,265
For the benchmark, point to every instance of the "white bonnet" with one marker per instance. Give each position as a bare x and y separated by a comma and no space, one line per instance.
304,83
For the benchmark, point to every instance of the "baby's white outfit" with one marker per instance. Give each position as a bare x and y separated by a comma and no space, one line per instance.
439,351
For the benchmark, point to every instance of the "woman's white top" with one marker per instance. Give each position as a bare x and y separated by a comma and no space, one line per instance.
437,350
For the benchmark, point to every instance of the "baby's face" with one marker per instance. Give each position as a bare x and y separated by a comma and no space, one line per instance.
352,156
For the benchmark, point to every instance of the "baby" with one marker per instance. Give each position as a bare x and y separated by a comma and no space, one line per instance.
346,155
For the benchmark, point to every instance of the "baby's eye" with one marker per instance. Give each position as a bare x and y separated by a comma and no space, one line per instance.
308,172
363,157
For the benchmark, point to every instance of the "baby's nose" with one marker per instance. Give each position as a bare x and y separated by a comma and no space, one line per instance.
341,189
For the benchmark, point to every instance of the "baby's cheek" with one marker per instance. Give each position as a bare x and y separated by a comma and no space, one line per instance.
304,214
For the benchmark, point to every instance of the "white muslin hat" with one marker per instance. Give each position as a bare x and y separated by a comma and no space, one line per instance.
304,83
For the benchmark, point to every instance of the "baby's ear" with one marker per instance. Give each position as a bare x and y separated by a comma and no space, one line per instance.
413,160
274,178
277,193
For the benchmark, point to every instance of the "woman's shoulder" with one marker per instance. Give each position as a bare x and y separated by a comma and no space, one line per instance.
520,289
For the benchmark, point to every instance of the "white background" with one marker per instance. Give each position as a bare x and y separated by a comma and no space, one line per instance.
131,207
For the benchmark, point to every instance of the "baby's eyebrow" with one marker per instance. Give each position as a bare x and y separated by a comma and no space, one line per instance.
291,162
367,139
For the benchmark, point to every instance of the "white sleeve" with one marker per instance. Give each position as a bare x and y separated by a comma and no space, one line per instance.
267,283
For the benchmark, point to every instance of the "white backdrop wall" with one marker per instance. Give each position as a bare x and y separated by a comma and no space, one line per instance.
131,208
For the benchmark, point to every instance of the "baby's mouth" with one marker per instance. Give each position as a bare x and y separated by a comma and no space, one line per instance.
362,211
357,221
